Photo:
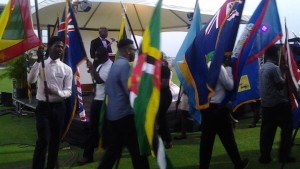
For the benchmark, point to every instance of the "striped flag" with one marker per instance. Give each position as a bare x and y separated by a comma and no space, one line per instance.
74,55
16,30
144,85
293,77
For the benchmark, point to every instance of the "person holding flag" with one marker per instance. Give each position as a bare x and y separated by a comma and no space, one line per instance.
120,115
216,120
50,113
276,109
100,75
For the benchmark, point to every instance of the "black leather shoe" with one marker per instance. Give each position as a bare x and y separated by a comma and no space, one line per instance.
181,137
244,164
84,161
288,160
264,160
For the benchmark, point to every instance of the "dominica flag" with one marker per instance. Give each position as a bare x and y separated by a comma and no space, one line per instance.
144,85
16,30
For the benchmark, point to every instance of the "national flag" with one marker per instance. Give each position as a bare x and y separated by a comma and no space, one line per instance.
144,85
124,32
262,30
214,41
293,77
180,65
74,54
16,30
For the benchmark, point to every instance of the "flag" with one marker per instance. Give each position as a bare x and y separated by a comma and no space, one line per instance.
262,30
293,77
124,32
214,41
191,35
74,54
16,30
144,86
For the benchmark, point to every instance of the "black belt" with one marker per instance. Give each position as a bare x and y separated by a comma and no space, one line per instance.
216,106
50,103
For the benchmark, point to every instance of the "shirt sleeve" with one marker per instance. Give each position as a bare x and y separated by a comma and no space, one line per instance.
226,77
33,74
67,88
124,74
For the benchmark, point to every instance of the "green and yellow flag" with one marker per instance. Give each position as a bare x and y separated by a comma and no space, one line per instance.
124,32
16,30
144,85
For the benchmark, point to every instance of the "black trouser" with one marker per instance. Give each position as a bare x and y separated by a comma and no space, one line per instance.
272,117
93,136
163,128
122,133
49,125
217,121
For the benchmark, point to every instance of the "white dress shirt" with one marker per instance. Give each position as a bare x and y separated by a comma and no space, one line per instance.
225,83
103,71
59,78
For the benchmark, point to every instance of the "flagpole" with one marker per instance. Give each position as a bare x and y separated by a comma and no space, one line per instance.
130,27
66,28
42,61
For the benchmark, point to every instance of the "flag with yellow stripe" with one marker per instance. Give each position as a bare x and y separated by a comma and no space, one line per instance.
144,85
16,30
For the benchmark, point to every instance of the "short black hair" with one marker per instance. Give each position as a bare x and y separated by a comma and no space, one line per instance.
54,39
124,42
272,51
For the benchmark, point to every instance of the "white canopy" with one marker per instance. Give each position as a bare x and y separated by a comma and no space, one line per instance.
108,13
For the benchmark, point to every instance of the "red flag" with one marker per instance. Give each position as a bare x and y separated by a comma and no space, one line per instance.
293,77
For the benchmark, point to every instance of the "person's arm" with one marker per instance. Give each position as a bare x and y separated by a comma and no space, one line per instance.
34,72
278,79
66,91
124,74
94,73
92,49
226,77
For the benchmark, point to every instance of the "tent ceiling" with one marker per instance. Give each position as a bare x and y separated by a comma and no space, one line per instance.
108,13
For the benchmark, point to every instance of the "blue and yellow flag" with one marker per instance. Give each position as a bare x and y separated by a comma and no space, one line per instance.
180,66
262,30
213,41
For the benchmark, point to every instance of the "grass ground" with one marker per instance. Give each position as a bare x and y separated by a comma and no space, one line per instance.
18,134
17,140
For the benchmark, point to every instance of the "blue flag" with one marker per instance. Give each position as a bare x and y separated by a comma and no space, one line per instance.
262,30
74,54
212,43
191,35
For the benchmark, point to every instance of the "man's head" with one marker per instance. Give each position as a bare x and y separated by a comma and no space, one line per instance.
103,32
127,49
272,53
101,55
55,47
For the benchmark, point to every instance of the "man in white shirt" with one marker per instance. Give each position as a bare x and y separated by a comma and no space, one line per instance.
99,74
50,111
216,120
